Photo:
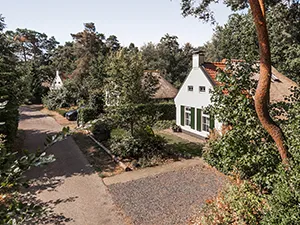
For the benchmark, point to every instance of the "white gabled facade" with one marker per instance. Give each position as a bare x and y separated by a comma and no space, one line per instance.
192,98
57,82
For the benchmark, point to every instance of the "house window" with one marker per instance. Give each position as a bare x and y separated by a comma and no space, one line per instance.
201,88
205,122
188,116
190,88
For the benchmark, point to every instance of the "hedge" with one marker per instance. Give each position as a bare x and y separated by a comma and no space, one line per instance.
167,111
87,114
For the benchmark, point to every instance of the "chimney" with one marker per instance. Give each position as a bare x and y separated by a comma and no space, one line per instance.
198,58
57,73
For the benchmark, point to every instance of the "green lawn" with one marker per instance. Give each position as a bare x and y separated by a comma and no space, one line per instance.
185,148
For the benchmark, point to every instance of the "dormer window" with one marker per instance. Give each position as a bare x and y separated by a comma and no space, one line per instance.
201,89
190,88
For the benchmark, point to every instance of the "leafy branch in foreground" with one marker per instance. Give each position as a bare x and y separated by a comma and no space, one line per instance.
16,208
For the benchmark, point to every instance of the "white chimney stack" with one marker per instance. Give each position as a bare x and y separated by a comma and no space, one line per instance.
198,58
57,73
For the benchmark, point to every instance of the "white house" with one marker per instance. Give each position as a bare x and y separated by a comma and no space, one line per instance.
194,96
57,82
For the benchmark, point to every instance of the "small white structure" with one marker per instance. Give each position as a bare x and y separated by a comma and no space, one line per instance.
57,82
194,96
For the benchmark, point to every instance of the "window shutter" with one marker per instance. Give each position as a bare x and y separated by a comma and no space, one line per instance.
193,118
212,122
199,119
182,115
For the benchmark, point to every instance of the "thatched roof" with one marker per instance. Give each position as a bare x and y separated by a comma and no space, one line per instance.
165,89
280,85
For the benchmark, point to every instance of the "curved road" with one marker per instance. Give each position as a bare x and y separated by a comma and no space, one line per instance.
76,194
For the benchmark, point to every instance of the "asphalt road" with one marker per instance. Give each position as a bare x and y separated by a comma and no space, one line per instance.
69,186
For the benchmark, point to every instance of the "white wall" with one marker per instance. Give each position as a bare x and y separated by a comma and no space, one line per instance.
194,98
57,82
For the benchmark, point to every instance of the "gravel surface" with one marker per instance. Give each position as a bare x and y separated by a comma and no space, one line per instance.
168,198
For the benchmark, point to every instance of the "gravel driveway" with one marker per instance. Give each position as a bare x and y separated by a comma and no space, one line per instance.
167,198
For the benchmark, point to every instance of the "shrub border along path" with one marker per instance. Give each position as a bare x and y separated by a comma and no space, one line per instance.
69,184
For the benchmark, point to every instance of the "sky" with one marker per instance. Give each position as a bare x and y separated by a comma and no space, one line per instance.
137,21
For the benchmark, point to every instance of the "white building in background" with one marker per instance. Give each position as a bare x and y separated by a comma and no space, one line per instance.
57,82
194,95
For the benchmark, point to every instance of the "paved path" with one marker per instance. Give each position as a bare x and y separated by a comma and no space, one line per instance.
69,185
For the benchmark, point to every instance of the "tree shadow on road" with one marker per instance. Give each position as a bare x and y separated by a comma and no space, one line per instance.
69,161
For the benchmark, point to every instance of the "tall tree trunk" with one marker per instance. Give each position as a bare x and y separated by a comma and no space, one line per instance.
263,88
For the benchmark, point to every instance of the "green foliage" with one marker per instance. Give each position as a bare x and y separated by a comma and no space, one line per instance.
127,83
239,203
246,146
34,51
248,150
173,61
143,144
163,124
96,100
237,39
10,91
87,114
285,199
167,111
101,130
132,116
56,98
14,207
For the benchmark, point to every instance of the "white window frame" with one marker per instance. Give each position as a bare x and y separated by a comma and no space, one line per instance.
202,89
187,116
205,122
190,88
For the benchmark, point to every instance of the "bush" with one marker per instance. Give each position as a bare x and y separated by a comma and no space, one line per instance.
96,100
241,203
163,124
101,130
86,114
166,110
144,143
246,146
55,99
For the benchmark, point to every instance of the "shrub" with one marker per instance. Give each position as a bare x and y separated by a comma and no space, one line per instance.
285,198
167,111
240,203
101,130
246,147
86,114
55,99
96,100
163,124
144,143
118,133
